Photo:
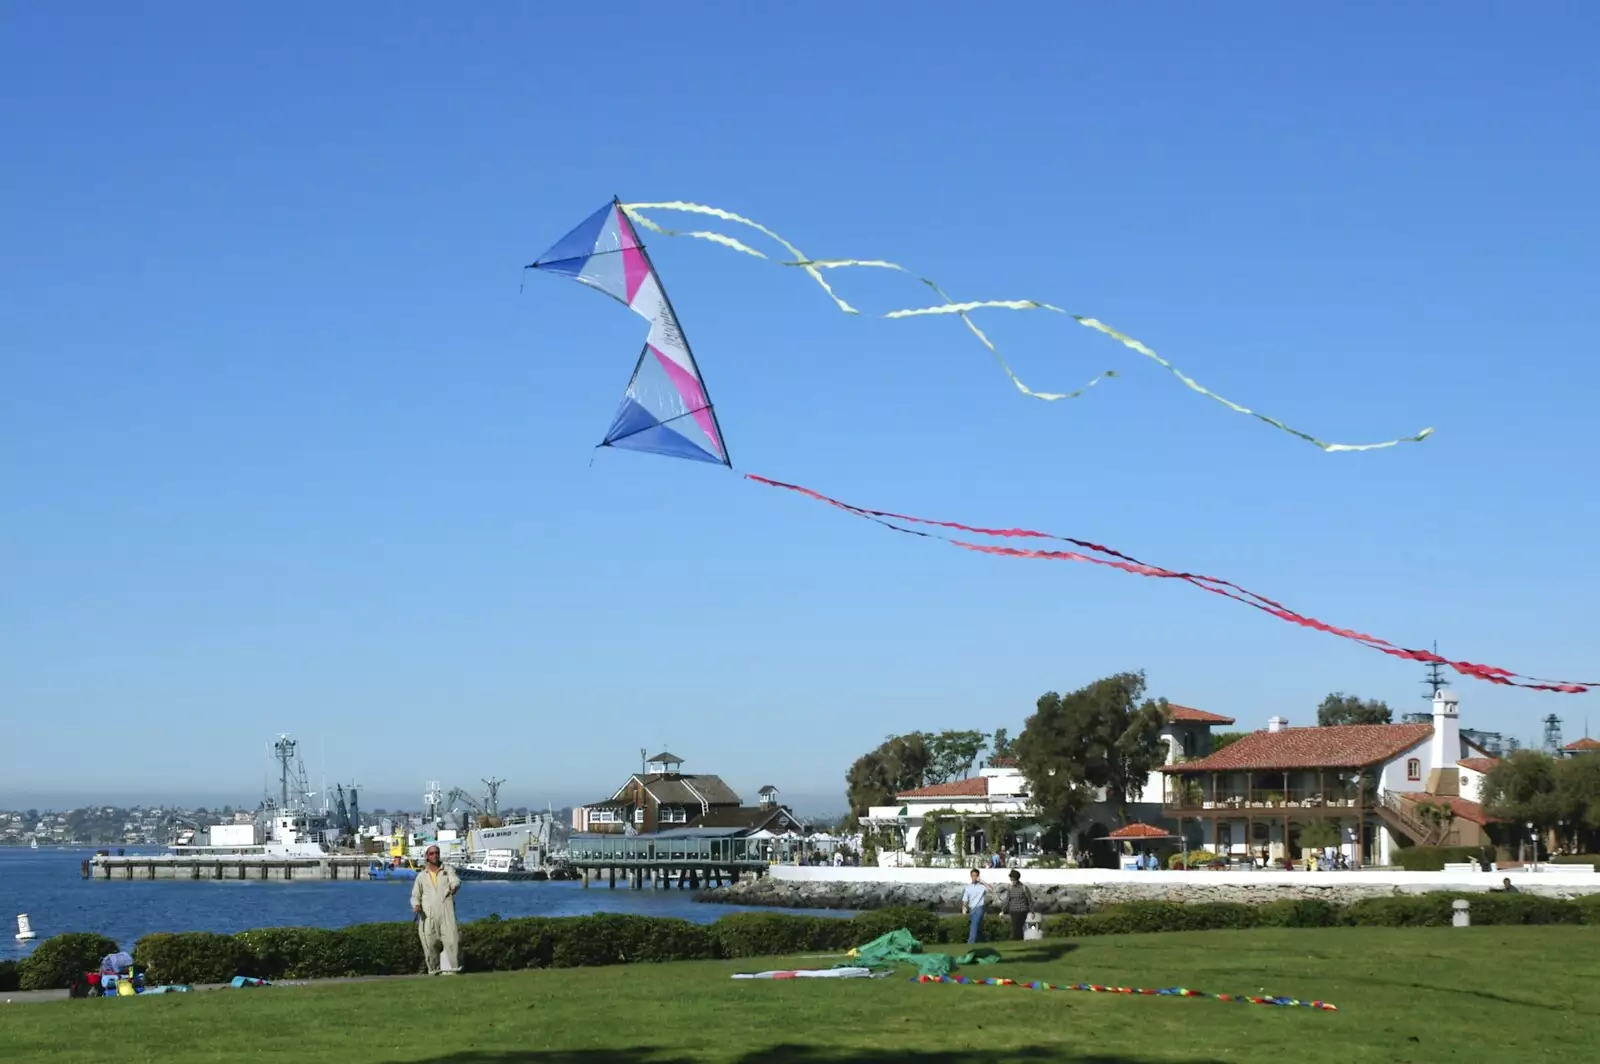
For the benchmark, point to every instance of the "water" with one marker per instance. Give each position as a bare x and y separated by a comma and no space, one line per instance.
47,884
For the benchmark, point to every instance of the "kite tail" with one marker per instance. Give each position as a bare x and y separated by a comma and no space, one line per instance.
814,268
1125,563
1097,988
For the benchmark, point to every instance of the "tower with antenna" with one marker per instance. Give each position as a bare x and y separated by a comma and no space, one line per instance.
491,796
284,750
1435,681
1552,735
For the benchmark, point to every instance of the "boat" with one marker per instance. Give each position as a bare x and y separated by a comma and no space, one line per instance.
499,864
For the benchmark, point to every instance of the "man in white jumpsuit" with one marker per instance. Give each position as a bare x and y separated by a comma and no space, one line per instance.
433,899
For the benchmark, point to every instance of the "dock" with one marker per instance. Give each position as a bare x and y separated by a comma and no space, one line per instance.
686,855
229,866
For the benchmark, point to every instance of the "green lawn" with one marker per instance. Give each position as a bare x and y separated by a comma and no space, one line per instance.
1491,995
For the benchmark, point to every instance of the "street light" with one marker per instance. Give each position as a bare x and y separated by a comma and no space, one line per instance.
1533,836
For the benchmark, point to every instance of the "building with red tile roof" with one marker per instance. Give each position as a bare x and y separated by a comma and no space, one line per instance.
1256,795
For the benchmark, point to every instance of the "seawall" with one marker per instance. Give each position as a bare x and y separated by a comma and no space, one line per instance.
1084,890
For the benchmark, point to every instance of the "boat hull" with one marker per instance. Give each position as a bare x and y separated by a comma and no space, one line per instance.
536,875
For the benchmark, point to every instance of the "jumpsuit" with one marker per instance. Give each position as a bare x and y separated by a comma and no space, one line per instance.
434,894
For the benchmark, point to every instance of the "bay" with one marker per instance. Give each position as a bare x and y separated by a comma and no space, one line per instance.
48,885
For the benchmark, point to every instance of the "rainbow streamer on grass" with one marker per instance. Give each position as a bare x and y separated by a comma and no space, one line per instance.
1096,988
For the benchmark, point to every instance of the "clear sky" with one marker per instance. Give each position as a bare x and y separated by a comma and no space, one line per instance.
284,448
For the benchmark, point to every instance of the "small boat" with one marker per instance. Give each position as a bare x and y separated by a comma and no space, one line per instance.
397,868
499,864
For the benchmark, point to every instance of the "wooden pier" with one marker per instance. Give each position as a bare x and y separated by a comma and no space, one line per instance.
690,857
227,866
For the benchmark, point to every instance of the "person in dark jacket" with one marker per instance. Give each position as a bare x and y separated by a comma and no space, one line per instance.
1019,903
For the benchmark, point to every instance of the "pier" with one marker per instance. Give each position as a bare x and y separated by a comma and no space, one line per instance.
228,866
692,857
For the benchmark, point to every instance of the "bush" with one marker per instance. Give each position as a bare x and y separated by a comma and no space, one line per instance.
296,953
615,938
925,926
1434,858
502,945
192,957
9,979
392,948
1192,859
954,929
61,961
767,934
1299,913
1590,859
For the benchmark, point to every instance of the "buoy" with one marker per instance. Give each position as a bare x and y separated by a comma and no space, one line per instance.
25,932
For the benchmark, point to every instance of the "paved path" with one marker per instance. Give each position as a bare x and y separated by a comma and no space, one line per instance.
26,997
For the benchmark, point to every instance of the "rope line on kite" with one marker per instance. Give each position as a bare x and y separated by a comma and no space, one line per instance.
814,268
1117,560
1096,988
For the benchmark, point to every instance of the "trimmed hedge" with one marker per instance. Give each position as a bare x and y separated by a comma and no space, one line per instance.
1434,858
61,961
494,944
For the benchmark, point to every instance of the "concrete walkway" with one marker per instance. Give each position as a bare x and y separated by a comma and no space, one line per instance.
26,997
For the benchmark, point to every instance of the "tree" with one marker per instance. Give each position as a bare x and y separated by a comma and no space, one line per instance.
1522,789
951,754
1577,793
1340,708
1219,740
900,763
1000,746
1097,736
1319,835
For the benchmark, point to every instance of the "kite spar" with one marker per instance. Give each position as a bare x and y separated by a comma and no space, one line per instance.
666,409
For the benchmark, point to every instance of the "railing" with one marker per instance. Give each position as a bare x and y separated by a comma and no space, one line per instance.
1262,801
625,850
1421,831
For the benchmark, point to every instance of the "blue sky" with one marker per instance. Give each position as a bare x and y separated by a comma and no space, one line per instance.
286,449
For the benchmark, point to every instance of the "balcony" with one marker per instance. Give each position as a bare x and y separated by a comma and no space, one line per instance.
1263,801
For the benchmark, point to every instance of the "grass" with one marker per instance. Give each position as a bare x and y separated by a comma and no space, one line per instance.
1490,995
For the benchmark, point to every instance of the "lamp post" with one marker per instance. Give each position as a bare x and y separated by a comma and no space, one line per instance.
1533,839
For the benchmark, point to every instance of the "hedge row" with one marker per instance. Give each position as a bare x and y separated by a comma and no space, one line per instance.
1434,858
495,944
1414,910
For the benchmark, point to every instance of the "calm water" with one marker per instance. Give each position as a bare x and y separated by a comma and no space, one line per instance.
48,885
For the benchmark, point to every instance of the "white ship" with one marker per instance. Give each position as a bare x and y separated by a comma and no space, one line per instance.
287,827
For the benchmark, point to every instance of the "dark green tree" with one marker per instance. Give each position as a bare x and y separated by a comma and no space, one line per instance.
900,763
1101,735
1000,745
1577,792
1220,740
1340,708
951,754
1522,789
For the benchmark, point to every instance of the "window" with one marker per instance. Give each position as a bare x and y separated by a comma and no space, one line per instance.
638,814
674,814
1188,744
1413,770
602,816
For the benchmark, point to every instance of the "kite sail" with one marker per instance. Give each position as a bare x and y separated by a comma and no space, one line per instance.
814,268
666,409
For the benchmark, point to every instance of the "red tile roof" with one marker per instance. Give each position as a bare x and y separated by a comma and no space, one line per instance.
1459,806
1585,743
1479,764
1195,716
1139,831
972,787
1341,746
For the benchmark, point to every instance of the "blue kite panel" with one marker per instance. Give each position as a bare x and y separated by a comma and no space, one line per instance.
578,244
634,429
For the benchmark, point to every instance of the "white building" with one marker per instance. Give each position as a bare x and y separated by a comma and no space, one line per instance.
999,790
1381,785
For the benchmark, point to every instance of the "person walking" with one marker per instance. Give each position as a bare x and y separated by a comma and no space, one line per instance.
973,899
1018,904
433,901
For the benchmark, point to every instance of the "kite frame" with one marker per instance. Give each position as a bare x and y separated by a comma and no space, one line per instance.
661,286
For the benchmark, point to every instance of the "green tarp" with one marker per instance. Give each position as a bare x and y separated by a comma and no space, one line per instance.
901,947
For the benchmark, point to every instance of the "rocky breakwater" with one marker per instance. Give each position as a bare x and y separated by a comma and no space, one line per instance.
1051,898
935,897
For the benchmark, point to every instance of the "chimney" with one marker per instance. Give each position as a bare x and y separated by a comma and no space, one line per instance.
1277,724
1444,750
